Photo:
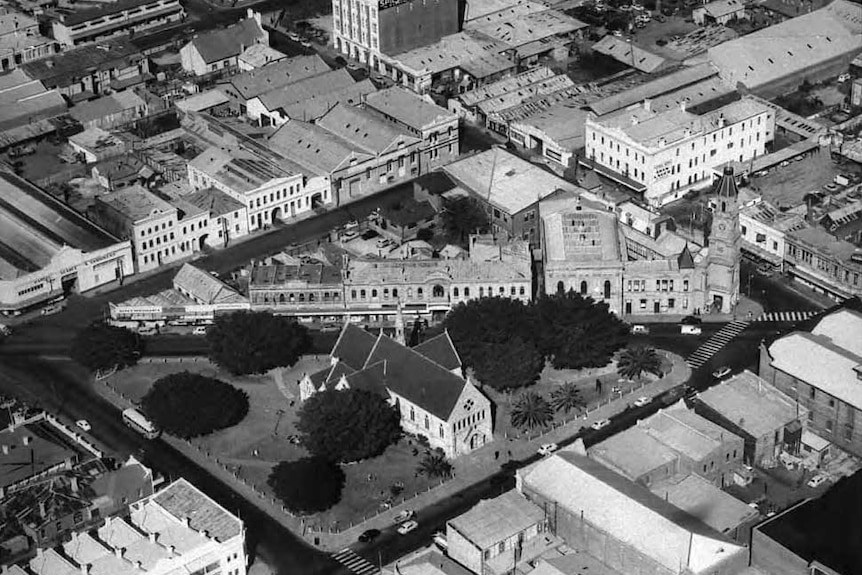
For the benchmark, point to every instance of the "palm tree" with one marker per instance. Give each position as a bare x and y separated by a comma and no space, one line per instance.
566,397
435,464
531,410
634,361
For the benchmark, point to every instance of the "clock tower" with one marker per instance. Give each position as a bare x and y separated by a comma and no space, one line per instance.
722,280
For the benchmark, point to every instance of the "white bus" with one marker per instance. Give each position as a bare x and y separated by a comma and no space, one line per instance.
137,421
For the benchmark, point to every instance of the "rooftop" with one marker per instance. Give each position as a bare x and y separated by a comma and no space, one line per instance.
217,45
214,201
363,130
826,529
24,100
34,227
59,70
633,453
506,85
205,287
629,513
792,46
259,55
516,30
24,460
703,500
105,9
277,75
202,101
494,520
563,123
685,432
136,203
114,103
751,403
407,272
629,54
239,169
654,88
298,274
720,8
408,108
316,86
185,502
825,243
314,148
576,235
314,106
96,139
476,54
843,328
506,180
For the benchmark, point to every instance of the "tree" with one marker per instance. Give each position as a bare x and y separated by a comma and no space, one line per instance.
462,217
574,331
190,405
494,337
531,410
566,397
308,485
255,342
435,464
348,425
634,361
510,364
101,346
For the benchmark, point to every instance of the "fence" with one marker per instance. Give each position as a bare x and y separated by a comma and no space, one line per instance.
77,438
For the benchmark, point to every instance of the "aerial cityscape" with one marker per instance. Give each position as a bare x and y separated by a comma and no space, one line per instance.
430,287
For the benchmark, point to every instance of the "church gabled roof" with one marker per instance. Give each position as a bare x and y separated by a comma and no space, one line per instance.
441,351
685,260
727,185
353,346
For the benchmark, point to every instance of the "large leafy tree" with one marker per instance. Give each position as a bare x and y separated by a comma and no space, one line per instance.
462,217
255,342
348,425
434,464
509,364
101,346
189,405
574,331
634,361
566,397
308,485
531,410
494,337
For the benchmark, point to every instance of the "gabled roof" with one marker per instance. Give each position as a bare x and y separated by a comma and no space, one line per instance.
331,374
629,513
228,42
314,148
407,107
311,87
204,286
417,379
441,351
185,502
353,346
371,379
277,75
494,520
363,130
685,260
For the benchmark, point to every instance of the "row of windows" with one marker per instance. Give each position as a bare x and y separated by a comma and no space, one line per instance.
31,289
471,419
437,291
606,288
156,228
660,285
840,273
276,196
302,297
658,304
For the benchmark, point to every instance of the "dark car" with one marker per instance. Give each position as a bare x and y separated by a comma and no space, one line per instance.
369,535
691,320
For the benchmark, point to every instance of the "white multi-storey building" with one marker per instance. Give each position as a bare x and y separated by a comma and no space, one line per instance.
160,232
665,154
270,192
177,530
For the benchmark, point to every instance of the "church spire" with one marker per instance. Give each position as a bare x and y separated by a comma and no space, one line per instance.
727,185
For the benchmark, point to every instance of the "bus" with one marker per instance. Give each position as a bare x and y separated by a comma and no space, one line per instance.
137,421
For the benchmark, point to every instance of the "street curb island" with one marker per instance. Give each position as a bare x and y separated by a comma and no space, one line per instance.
468,469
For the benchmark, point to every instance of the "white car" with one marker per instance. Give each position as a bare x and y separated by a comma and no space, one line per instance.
601,424
642,401
200,330
548,448
405,515
721,372
817,481
83,424
407,527
441,541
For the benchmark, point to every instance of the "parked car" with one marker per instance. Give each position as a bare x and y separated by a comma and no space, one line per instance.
721,372
691,320
817,481
407,527
764,270
83,424
51,309
548,448
601,424
690,329
369,535
830,187
200,330
642,401
405,515
843,78
441,541
147,330
639,329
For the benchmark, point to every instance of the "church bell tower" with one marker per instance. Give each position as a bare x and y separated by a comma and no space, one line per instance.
724,239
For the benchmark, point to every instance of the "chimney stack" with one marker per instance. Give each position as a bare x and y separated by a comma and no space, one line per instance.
682,104
647,105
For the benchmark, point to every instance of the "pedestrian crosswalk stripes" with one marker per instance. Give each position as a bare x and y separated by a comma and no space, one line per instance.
711,346
788,316
355,563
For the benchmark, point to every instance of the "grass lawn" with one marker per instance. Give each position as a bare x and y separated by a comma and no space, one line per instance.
551,379
255,445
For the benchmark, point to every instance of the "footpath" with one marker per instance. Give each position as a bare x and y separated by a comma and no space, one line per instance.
469,469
